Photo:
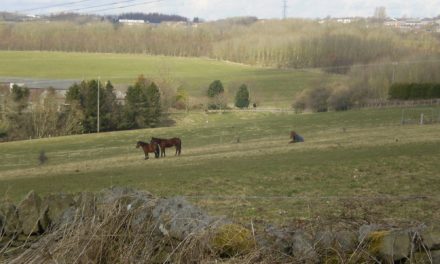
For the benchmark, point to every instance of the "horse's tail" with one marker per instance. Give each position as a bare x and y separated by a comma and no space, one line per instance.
157,151
179,147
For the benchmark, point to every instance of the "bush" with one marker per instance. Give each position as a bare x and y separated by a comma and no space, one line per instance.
314,99
340,99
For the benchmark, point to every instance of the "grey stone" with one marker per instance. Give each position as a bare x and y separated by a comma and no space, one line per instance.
29,214
68,216
277,239
431,238
54,207
324,241
302,247
345,241
9,221
142,213
85,204
120,197
389,246
178,218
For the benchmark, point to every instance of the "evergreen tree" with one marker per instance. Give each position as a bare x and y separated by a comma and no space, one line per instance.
215,94
142,105
242,97
154,106
110,109
215,88
85,96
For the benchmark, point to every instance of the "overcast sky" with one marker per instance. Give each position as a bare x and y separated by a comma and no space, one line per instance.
215,9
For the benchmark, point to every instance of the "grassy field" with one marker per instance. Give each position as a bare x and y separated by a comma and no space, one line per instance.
357,165
271,87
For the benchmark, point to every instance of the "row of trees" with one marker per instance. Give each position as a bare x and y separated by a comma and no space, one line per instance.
151,17
287,43
383,80
45,116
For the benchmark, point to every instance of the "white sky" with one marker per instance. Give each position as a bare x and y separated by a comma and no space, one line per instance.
215,9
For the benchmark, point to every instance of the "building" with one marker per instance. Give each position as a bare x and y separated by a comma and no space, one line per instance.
132,21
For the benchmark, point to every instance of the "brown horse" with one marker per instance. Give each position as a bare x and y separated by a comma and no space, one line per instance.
149,148
168,143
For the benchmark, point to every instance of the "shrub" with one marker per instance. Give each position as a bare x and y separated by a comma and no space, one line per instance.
340,99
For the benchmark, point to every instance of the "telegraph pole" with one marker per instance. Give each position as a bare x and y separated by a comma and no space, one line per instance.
284,9
394,72
97,122
2,106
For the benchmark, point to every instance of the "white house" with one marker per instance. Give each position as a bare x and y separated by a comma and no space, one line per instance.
132,21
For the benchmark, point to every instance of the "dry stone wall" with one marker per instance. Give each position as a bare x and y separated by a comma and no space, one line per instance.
174,225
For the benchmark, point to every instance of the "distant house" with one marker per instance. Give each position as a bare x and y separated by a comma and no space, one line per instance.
392,22
347,20
38,88
132,21
409,24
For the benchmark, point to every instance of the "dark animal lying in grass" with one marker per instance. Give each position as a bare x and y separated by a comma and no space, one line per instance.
168,143
295,137
149,148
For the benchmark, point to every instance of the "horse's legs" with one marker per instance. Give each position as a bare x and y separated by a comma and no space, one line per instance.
163,152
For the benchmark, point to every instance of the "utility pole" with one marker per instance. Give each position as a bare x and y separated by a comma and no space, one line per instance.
2,106
284,9
97,122
394,72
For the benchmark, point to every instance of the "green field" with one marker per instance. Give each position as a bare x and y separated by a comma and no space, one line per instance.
356,165
270,87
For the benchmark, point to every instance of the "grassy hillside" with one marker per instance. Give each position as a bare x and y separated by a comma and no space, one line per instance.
360,165
272,87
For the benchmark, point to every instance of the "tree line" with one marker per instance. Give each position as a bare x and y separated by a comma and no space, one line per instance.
292,43
151,17
23,115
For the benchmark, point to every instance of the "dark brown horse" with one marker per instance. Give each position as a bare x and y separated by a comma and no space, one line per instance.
168,143
149,148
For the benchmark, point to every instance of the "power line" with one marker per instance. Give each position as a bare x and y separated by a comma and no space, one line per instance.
57,5
101,5
105,7
123,7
